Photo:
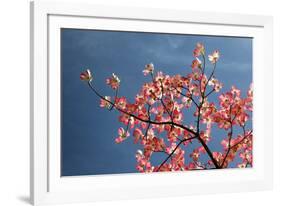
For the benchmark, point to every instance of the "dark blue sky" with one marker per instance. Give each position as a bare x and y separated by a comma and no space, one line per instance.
88,131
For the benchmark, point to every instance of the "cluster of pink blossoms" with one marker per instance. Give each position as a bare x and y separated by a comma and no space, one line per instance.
156,118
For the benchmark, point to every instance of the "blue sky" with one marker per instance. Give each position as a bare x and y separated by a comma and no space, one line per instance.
88,131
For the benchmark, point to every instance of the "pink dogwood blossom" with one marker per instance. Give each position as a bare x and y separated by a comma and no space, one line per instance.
105,102
148,69
214,57
113,81
86,75
122,135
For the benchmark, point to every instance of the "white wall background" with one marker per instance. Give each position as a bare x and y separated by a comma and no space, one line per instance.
14,100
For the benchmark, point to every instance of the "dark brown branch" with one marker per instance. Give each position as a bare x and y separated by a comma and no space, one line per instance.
209,93
147,128
174,150
128,124
204,63
198,122
138,118
190,97
209,153
249,134
161,151
231,132
116,94
146,131
162,102
230,135
212,74
166,109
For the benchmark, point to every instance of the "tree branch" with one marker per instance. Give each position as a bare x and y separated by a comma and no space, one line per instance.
138,118
174,150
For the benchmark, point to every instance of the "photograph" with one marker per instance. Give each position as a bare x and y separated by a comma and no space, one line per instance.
131,103
144,102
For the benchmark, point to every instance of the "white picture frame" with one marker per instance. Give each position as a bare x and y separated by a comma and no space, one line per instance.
47,186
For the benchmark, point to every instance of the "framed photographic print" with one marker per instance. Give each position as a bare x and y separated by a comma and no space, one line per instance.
128,102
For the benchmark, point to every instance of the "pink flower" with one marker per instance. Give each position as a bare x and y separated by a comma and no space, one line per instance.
122,135
171,148
199,50
214,56
137,134
159,77
113,81
86,76
216,84
195,155
226,99
242,118
126,119
218,156
186,101
235,91
143,164
194,89
177,115
196,63
205,136
104,103
121,102
148,69
250,91
173,134
225,143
